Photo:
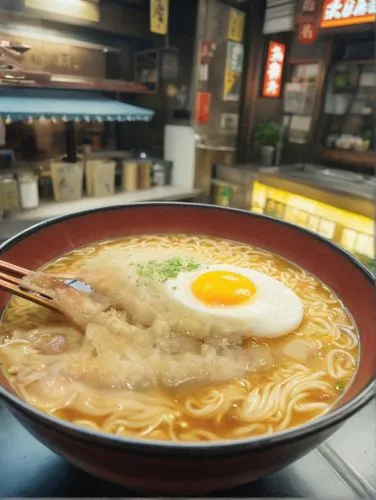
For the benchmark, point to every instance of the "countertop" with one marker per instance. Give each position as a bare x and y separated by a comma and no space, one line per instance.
338,181
48,209
316,176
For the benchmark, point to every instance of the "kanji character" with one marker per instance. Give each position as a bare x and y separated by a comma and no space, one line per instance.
306,31
159,11
361,8
371,7
275,70
276,54
309,5
333,10
272,87
348,8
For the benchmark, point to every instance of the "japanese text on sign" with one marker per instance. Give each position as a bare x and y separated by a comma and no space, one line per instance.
274,70
233,71
308,6
347,12
236,25
307,32
159,16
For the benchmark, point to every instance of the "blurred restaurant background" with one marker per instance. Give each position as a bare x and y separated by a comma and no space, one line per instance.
263,105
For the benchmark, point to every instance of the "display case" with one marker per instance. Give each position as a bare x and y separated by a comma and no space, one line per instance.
319,201
155,66
347,132
299,102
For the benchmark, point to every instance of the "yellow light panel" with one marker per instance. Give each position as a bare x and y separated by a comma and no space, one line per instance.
355,232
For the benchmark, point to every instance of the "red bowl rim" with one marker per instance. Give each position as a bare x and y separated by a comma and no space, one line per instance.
183,449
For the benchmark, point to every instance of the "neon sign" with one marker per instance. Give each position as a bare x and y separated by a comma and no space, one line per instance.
347,12
274,70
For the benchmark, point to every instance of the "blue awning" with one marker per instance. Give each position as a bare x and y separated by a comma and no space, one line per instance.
19,104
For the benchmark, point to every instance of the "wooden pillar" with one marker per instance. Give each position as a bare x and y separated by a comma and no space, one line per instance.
252,75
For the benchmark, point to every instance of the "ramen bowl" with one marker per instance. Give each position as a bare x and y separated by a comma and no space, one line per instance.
167,467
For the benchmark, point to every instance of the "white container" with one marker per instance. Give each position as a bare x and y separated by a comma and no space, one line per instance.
100,177
29,195
130,176
67,180
340,103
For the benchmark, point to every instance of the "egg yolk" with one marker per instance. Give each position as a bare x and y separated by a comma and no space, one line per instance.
223,288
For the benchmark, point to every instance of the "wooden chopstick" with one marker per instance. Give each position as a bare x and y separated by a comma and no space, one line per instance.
13,285
22,271
15,290
7,266
11,279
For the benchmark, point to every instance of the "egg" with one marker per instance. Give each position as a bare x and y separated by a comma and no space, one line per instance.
260,304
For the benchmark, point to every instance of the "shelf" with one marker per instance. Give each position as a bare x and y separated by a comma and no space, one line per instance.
48,209
361,160
109,154
365,115
84,83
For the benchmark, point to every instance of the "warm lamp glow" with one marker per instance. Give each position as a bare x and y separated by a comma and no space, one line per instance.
352,231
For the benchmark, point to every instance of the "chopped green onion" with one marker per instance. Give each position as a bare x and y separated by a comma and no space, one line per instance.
164,270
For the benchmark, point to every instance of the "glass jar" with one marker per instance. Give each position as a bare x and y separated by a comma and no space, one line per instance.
158,175
9,194
29,194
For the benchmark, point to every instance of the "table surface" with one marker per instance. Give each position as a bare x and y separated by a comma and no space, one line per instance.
343,467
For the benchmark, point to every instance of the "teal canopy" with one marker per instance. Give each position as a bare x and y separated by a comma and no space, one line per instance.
19,104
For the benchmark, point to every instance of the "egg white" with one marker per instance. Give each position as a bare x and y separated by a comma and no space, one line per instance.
274,310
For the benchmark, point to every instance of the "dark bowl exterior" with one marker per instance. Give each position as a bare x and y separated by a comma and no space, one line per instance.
165,468
154,473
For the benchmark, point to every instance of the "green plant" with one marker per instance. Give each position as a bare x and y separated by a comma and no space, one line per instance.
367,135
267,134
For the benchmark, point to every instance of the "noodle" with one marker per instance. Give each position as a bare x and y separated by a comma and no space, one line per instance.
41,355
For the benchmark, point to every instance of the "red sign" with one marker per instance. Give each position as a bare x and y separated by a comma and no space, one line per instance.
203,101
347,12
308,6
274,70
307,32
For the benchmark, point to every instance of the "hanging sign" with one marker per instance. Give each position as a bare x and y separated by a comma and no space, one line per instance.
308,7
86,10
233,71
274,70
236,25
336,13
203,102
159,16
307,32
307,21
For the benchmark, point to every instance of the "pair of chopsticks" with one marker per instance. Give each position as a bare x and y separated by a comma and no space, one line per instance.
11,281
